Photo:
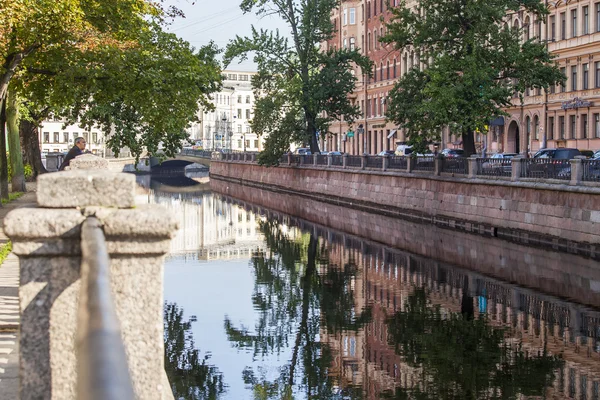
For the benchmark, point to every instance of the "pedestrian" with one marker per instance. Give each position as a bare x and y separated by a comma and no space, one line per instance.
75,151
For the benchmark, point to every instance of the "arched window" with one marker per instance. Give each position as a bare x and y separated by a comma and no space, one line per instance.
412,59
395,72
374,73
528,128
369,41
527,29
388,70
405,69
381,71
536,128
375,39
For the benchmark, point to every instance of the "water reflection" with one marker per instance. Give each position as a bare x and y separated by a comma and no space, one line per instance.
312,313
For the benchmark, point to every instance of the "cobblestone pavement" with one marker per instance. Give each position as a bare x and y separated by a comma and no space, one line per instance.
9,309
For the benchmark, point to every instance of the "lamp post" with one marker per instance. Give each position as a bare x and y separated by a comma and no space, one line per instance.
361,131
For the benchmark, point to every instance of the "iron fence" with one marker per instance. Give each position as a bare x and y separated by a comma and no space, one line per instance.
374,162
321,159
398,162
196,153
283,159
337,161
545,168
456,165
591,171
354,162
494,166
424,163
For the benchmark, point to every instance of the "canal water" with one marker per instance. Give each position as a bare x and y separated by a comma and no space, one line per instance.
260,304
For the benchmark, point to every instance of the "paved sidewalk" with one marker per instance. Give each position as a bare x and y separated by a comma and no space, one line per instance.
9,308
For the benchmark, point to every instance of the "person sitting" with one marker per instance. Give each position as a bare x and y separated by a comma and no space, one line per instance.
75,151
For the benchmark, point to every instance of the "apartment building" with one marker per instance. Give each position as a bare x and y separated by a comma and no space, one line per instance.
228,126
53,138
564,116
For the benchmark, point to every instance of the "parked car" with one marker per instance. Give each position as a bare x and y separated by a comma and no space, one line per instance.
596,155
557,167
303,151
387,152
587,153
403,150
499,161
558,154
453,153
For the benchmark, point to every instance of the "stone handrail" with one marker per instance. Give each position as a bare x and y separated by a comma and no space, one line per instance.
48,240
103,372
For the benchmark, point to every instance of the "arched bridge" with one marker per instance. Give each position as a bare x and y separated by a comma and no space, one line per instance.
185,158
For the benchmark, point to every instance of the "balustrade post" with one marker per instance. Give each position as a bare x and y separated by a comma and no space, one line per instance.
386,162
315,159
576,171
472,166
47,240
329,160
517,165
345,161
410,163
289,155
437,164
363,161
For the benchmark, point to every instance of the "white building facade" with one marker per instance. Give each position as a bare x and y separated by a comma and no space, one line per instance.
228,126
54,139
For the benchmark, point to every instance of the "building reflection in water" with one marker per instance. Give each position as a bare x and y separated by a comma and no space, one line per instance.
362,320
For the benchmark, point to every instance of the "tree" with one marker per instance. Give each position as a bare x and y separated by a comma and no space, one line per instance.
473,64
16,158
300,89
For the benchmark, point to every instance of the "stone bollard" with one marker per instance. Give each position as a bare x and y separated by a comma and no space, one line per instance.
345,161
438,164
47,240
386,162
87,161
329,160
410,163
315,159
517,164
576,171
472,166
363,161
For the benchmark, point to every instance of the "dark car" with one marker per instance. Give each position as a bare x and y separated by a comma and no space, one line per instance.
587,153
453,153
557,154
552,163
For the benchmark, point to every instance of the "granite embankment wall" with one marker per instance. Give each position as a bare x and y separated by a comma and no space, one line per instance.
556,273
561,216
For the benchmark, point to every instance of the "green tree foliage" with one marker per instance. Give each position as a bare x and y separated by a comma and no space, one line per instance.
474,62
190,375
296,304
300,89
464,358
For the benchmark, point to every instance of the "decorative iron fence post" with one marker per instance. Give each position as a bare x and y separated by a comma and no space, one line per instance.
437,164
410,163
329,158
315,159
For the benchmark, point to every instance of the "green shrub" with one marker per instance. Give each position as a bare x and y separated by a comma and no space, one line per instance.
28,171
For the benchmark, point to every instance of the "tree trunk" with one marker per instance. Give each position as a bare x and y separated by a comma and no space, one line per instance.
14,147
312,131
31,146
3,159
468,139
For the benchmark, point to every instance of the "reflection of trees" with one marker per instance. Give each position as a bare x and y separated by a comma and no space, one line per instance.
189,374
293,300
463,358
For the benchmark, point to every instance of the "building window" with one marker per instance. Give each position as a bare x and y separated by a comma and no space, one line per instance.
381,71
239,129
388,70
574,22
528,127
368,10
248,129
86,136
597,17
56,137
375,42
345,43
584,126
352,43
239,113
345,17
572,126
95,137
574,78
248,143
46,137
536,128
65,137
563,26
553,28
248,114
585,11
550,128
586,77
369,41
563,85
597,74
352,16
368,110
256,144
243,77
74,136
597,125
561,127
239,98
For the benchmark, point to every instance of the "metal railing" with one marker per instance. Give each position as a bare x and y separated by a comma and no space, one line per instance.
321,159
337,161
354,162
546,168
102,364
424,163
283,159
458,165
494,167
375,162
591,171
398,162
196,153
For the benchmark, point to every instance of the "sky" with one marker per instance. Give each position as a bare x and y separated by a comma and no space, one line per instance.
219,21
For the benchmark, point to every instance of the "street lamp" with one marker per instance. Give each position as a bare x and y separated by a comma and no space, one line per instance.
361,131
